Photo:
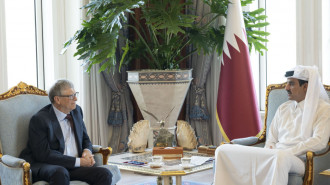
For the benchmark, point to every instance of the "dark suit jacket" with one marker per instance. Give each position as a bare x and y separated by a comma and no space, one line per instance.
46,142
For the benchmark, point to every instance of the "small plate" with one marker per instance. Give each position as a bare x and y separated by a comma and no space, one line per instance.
155,165
186,166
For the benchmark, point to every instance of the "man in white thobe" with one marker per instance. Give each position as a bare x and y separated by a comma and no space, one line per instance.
301,124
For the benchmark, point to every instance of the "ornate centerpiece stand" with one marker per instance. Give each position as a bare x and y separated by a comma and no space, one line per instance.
160,95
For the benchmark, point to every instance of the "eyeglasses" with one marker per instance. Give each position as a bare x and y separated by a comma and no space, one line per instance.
71,97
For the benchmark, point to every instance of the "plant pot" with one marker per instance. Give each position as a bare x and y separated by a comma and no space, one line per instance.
159,95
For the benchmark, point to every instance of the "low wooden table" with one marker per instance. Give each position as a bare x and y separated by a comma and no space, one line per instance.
164,173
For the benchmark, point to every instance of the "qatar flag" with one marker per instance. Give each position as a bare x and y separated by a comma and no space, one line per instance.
237,110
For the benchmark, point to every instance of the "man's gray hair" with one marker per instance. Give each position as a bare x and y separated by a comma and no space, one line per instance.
58,87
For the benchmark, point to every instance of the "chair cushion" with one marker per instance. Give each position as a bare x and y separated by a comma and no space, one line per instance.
275,99
14,127
11,175
116,176
295,179
321,163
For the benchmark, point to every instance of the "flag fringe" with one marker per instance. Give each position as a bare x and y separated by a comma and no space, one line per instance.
224,135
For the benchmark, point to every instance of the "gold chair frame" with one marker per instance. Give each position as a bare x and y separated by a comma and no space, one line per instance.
308,177
23,88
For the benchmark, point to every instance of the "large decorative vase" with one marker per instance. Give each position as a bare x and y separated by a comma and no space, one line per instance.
160,95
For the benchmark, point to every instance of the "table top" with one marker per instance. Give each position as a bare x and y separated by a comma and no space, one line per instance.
139,163
326,172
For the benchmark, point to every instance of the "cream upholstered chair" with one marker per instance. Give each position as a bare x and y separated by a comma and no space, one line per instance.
17,106
316,162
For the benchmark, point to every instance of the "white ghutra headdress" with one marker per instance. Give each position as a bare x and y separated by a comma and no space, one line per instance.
315,91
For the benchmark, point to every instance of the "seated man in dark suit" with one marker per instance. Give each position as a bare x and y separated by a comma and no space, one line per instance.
59,149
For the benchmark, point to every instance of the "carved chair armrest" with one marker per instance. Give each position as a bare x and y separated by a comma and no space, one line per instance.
104,153
248,141
11,165
325,150
316,162
12,161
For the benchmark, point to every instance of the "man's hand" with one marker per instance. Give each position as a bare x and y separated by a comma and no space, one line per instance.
87,159
87,153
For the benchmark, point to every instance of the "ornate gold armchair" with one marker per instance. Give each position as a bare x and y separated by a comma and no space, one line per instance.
316,162
17,106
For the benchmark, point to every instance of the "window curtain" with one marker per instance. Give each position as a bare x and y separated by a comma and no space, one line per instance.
95,99
309,33
3,57
61,20
120,115
204,83
107,106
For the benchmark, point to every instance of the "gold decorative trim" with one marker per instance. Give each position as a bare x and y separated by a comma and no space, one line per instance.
22,88
26,177
172,173
106,152
159,76
309,175
224,135
308,179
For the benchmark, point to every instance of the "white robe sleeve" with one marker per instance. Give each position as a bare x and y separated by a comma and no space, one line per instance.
320,138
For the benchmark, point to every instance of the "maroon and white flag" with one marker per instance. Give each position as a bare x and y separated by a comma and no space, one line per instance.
237,109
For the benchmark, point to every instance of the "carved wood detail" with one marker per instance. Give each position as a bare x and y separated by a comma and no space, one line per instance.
106,152
26,176
22,88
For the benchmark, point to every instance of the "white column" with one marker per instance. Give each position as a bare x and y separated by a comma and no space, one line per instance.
3,56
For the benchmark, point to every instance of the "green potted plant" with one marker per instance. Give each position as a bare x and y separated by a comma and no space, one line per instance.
164,32
168,30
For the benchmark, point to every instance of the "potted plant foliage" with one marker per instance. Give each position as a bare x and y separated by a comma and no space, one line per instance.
164,31
168,29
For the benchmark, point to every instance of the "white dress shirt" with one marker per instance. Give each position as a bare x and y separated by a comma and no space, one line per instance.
70,148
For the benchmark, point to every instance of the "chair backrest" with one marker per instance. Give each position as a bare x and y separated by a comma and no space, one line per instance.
275,96
17,106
